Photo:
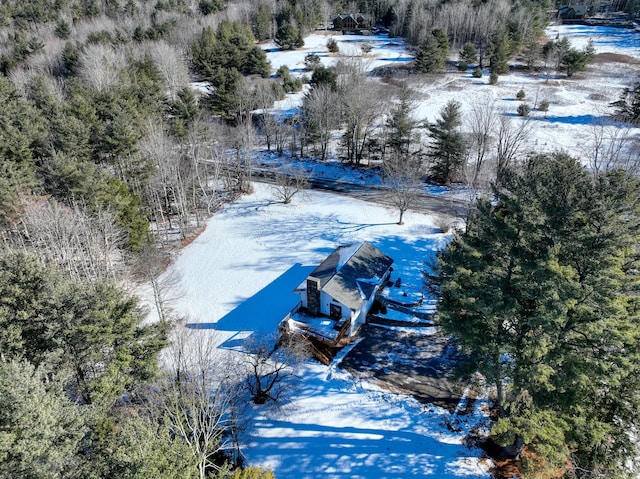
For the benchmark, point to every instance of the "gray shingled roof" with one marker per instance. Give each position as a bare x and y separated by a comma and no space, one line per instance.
351,273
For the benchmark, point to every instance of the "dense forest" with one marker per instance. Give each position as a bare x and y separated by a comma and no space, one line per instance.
109,158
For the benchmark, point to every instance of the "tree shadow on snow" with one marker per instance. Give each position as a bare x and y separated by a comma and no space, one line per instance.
575,120
358,451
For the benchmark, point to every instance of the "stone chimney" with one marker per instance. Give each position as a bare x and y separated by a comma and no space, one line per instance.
313,296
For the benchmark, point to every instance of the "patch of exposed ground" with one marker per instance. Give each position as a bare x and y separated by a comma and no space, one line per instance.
615,58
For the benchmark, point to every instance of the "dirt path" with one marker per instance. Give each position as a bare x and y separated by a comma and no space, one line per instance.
426,202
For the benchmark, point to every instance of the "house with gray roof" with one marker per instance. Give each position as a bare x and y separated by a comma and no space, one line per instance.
342,289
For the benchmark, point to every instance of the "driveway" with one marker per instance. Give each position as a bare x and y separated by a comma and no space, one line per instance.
415,360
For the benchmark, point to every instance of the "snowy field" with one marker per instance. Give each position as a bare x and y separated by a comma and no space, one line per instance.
237,280
577,105
237,277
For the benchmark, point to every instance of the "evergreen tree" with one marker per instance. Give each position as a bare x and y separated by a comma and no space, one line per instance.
574,61
628,106
262,21
223,100
325,76
400,125
256,63
443,41
207,7
41,431
469,54
22,137
540,287
95,331
289,37
447,150
431,56
499,52
232,46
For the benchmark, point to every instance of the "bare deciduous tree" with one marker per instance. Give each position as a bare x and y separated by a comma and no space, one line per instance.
86,246
480,125
269,123
511,137
402,180
239,165
269,368
197,397
289,183
171,65
611,146
321,114
150,265
170,190
362,102
100,66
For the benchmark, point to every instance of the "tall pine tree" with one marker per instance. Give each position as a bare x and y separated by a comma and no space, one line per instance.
447,149
542,289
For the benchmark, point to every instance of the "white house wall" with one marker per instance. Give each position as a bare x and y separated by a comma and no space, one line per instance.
359,317
326,300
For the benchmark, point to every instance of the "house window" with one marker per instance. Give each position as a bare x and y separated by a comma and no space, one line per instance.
335,311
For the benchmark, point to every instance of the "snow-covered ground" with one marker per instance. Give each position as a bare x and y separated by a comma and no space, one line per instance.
237,280
385,51
576,105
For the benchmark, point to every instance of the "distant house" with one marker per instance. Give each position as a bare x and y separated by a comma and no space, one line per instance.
357,22
336,297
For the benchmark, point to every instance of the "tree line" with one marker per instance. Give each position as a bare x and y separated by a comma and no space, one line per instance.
83,393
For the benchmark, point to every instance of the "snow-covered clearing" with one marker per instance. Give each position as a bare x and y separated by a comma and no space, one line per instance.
577,105
385,51
237,280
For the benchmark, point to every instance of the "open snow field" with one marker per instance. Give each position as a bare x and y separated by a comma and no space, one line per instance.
576,105
237,277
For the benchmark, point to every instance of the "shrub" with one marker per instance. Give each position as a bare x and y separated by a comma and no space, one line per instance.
544,105
524,109
443,223
332,45
493,78
63,30
292,85
366,48
520,95
325,75
311,61
278,90
283,71
462,66
477,73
